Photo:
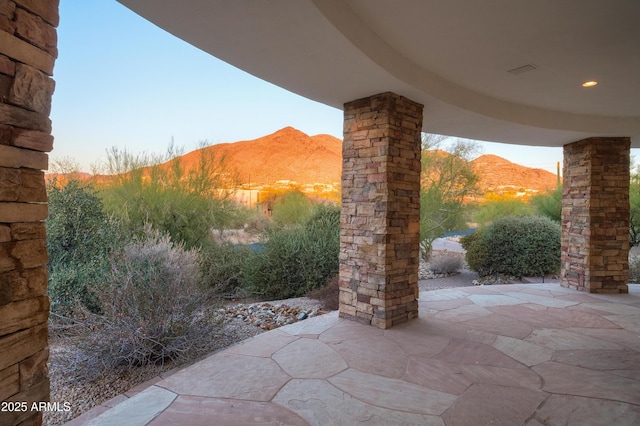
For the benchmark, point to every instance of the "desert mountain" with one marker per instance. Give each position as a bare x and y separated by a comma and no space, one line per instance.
287,154
291,155
497,174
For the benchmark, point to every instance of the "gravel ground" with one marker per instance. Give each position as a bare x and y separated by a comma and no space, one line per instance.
241,321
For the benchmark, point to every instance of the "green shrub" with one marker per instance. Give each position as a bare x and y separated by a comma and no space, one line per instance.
476,251
80,237
187,203
515,245
151,307
292,208
549,204
222,265
296,258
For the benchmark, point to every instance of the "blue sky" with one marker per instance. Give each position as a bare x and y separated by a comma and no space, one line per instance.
121,81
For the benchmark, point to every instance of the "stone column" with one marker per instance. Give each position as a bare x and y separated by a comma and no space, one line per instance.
27,53
380,220
595,215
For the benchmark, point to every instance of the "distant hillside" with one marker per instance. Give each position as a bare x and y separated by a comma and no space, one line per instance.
498,175
291,155
287,154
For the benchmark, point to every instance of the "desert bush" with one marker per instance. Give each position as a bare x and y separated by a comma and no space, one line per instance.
446,263
549,204
296,258
292,208
514,245
151,307
80,237
222,265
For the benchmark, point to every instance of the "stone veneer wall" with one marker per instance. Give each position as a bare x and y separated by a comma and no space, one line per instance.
595,215
380,220
27,54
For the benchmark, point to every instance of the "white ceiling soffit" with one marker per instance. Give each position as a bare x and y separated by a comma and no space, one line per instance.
454,56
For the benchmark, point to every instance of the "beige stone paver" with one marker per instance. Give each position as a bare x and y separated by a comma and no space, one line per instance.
494,300
318,326
438,375
263,345
574,410
140,409
463,313
522,351
229,375
309,359
622,337
321,404
615,308
203,411
392,393
417,344
571,380
465,352
507,377
381,355
558,339
599,359
534,354
500,325
345,331
628,322
571,317
547,301
494,405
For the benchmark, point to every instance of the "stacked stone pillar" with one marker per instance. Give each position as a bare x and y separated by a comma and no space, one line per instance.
27,53
595,215
380,220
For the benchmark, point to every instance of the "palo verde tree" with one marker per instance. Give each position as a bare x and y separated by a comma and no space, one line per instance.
187,201
447,179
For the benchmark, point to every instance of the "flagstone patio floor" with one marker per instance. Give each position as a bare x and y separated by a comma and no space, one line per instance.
532,354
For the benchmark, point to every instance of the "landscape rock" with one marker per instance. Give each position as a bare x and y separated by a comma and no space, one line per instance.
268,316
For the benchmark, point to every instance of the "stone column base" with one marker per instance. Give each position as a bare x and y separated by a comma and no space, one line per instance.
380,220
595,215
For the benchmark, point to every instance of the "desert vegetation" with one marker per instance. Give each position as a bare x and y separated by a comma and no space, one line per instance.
515,246
139,263
516,235
447,181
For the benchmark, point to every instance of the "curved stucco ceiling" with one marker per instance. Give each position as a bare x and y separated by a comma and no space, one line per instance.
453,56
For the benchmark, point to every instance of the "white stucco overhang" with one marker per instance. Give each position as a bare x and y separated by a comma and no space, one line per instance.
453,56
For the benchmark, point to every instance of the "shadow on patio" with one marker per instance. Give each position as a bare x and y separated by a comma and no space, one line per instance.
503,355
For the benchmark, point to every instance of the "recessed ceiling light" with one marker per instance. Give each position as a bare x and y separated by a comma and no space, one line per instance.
589,83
